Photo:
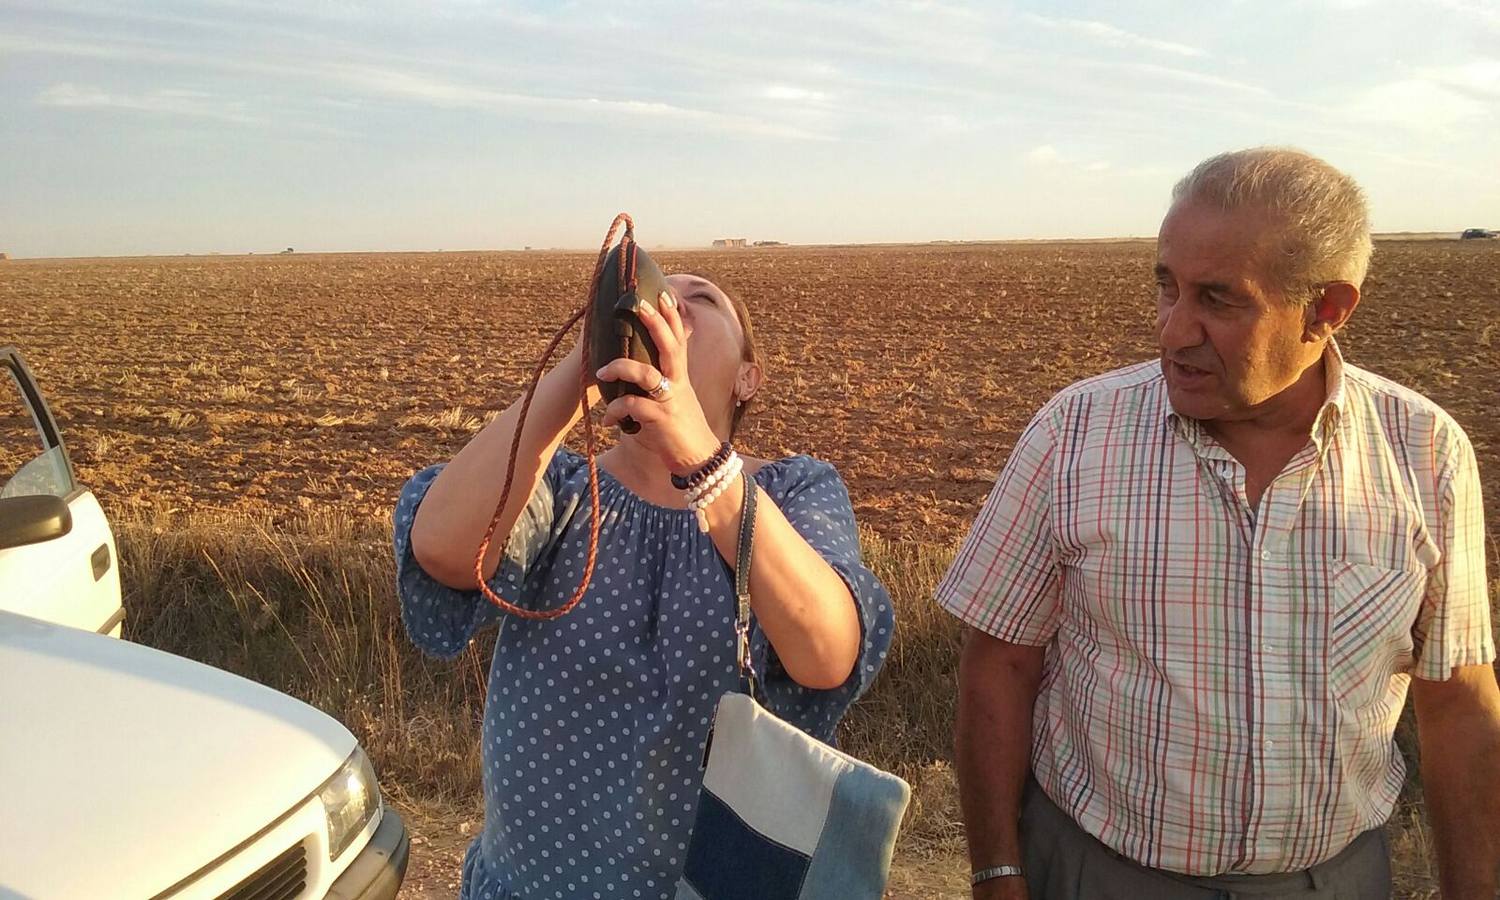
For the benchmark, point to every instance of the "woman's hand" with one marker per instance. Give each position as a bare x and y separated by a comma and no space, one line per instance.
673,425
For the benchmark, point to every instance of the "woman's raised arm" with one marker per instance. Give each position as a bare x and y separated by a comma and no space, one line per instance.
452,519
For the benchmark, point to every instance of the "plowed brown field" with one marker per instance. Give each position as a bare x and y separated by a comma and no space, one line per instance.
286,383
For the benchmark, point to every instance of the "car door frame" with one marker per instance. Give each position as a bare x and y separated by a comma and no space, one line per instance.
86,512
41,413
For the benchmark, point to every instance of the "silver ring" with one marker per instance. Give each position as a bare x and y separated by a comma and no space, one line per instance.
662,389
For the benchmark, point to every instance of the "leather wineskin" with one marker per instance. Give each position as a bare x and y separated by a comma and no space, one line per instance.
616,330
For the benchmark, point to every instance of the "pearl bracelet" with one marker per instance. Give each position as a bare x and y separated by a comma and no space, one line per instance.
697,477
700,504
702,498
713,478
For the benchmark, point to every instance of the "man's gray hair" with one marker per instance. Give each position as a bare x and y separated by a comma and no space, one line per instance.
1321,213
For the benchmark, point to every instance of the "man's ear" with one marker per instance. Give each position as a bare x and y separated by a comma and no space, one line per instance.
749,382
1331,310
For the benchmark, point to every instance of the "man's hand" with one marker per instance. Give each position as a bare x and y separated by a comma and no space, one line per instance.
1458,724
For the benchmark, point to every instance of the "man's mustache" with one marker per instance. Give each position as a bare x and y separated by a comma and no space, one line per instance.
1204,362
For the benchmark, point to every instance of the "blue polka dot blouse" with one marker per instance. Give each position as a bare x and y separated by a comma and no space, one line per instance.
595,723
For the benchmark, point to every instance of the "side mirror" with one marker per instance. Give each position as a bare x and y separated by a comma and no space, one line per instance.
31,520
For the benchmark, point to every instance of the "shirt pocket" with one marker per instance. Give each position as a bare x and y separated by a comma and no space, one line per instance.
1373,609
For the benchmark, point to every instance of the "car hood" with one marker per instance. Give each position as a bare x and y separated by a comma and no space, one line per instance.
124,769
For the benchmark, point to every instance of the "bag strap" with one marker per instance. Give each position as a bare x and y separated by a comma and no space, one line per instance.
742,582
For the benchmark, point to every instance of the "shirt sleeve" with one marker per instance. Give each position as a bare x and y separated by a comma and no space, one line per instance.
817,505
1005,580
1453,624
440,620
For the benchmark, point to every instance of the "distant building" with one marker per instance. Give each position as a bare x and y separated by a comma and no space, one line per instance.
724,243
4,255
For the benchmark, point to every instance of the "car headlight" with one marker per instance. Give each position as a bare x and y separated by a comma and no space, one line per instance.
350,800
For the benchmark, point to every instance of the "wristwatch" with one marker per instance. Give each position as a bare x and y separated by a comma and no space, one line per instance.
995,872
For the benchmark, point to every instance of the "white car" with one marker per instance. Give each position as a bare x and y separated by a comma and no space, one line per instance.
57,553
126,772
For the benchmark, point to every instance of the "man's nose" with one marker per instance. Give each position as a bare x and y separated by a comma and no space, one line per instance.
1178,327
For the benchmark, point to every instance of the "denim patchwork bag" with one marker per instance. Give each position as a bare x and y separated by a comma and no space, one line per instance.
782,815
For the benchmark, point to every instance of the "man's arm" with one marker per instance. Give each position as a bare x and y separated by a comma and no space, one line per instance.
1005,585
997,688
1458,724
1453,688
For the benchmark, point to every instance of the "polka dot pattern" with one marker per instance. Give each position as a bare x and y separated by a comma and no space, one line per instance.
595,724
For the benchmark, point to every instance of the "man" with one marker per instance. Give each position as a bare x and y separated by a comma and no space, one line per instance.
1202,586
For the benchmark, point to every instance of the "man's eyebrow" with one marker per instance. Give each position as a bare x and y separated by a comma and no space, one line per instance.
1221,287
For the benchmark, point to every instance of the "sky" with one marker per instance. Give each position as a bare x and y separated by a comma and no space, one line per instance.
235,126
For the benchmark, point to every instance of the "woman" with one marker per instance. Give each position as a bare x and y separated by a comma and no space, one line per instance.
595,723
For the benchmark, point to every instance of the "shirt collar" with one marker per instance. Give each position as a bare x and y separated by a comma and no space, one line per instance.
1329,415
1336,406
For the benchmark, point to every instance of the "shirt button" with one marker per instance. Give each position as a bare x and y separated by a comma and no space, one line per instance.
1270,745
1269,648
1265,554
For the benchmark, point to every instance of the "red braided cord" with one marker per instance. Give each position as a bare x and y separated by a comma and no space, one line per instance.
587,315
627,266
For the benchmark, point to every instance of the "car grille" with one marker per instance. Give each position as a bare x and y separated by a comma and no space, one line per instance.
283,878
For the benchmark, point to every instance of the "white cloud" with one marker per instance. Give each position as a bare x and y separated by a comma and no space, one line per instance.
175,102
378,81
1045,155
1479,77
440,92
1197,79
1484,13
793,93
1416,104
1112,36
949,125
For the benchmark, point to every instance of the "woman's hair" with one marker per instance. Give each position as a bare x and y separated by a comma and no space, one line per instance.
748,352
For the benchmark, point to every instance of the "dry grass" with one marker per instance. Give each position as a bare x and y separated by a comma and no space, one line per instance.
453,419
179,420
236,393
310,609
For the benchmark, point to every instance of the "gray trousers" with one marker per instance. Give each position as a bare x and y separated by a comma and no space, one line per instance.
1064,862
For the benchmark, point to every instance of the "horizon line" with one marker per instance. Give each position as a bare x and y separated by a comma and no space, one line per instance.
678,248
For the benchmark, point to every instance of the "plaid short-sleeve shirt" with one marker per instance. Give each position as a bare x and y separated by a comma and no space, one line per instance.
1222,684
